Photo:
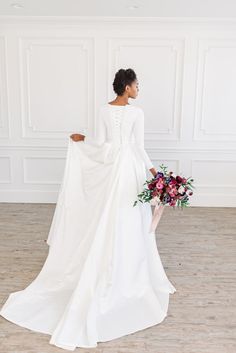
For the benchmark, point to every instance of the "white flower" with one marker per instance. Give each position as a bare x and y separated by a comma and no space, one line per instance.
154,200
181,189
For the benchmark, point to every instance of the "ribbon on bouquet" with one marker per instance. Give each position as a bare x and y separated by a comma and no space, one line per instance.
158,210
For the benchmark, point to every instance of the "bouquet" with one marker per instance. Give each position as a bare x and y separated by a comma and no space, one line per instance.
166,188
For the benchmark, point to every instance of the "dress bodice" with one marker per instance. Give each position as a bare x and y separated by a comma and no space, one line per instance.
120,125
119,121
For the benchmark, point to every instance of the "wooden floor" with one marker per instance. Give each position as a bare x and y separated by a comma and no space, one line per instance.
198,251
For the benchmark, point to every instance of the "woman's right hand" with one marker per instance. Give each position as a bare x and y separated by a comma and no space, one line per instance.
77,137
153,171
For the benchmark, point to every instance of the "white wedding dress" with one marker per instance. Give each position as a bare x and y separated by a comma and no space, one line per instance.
103,277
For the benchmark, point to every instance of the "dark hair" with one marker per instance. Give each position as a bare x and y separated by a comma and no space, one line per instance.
122,78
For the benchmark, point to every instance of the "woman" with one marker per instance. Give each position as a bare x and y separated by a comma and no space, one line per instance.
103,277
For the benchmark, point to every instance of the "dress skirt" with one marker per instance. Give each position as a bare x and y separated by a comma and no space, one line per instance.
103,277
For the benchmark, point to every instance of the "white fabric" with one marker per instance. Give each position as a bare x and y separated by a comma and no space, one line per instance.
132,129
103,277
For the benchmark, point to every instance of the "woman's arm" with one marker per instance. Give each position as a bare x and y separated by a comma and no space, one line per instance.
139,139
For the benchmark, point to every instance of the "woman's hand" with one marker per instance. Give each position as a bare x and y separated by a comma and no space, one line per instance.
153,171
77,137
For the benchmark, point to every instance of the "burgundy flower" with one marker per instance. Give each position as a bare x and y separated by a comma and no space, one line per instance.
151,186
162,196
179,179
173,182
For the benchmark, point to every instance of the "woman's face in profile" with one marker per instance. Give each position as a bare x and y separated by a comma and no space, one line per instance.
133,89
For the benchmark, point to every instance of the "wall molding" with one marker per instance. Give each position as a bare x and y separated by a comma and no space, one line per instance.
10,180
25,47
114,20
204,46
4,90
151,149
39,182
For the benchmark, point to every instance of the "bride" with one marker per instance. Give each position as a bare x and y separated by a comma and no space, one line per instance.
103,277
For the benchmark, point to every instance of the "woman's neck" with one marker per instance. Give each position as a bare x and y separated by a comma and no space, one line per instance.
119,102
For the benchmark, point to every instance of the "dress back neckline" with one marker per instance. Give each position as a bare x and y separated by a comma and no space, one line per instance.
116,105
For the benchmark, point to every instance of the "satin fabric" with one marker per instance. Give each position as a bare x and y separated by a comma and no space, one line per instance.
103,277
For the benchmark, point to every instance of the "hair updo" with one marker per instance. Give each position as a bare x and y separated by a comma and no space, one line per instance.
122,78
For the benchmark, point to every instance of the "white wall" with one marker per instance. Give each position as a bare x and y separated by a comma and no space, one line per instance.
54,74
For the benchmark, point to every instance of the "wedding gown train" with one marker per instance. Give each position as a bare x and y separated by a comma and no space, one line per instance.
103,277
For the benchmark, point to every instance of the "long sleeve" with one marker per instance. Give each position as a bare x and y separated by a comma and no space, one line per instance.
100,137
138,132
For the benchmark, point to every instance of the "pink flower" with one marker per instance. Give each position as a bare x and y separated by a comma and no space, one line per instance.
172,203
173,192
160,183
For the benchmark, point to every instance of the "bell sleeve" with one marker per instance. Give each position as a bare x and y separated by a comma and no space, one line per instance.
138,132
100,137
